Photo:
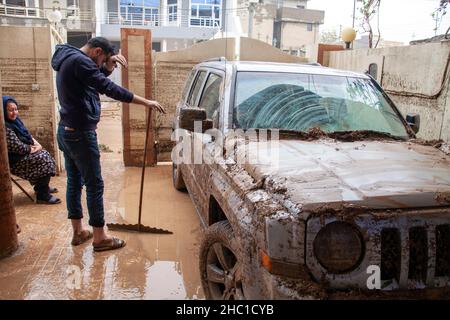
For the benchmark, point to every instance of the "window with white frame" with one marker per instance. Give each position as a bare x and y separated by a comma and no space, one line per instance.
206,13
73,8
140,12
172,8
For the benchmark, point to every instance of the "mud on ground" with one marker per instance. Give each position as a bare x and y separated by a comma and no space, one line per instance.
151,266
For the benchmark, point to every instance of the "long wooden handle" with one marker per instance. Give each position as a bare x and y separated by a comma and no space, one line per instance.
149,116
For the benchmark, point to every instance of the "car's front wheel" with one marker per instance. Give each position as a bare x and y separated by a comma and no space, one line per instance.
220,268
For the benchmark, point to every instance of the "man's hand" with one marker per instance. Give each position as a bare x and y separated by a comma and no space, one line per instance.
155,105
148,103
111,63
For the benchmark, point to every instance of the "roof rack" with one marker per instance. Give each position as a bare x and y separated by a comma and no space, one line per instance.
215,59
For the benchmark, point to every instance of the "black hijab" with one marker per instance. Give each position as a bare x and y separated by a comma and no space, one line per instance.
16,125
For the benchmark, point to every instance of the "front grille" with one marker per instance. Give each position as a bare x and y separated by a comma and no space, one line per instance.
418,250
390,254
418,254
443,251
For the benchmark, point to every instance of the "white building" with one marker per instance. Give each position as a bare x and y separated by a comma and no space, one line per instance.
286,24
175,24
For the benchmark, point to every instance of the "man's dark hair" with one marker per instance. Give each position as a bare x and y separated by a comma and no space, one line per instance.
103,43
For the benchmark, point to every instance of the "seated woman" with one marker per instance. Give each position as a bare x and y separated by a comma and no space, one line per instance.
26,157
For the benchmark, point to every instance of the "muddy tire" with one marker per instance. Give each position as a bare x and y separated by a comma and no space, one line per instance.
220,269
177,178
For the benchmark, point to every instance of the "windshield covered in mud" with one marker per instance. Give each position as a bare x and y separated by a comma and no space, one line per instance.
301,102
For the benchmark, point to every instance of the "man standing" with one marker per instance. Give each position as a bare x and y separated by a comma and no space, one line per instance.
81,76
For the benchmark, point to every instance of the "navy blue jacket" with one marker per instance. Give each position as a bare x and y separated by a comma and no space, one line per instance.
79,80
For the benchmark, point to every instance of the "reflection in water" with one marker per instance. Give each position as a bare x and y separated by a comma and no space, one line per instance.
164,281
169,256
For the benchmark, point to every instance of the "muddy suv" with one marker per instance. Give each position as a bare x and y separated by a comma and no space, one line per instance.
343,201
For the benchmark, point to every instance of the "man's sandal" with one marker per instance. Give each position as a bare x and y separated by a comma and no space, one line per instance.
109,244
81,237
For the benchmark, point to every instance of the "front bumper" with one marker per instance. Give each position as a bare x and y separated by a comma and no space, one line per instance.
282,288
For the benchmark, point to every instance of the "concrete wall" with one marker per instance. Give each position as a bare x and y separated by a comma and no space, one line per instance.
26,74
169,79
415,77
263,29
172,68
263,20
247,49
178,44
295,35
304,15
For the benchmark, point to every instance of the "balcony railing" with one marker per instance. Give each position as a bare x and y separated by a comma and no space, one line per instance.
158,20
32,12
153,20
19,11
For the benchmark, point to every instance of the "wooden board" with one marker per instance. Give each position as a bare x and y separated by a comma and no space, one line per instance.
133,154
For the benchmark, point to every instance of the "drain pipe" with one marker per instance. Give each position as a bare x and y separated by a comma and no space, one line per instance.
8,232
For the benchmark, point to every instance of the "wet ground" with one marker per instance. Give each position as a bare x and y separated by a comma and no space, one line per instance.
151,266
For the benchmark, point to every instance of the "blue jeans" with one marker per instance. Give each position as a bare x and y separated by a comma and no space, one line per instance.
82,161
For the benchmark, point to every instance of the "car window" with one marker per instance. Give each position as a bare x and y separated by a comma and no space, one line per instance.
187,85
197,86
210,99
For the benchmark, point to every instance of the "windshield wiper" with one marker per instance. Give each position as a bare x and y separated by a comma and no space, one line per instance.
362,134
351,135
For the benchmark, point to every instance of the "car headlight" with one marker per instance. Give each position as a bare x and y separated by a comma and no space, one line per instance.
339,247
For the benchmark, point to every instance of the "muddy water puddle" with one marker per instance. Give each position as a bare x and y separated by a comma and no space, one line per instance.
173,268
151,266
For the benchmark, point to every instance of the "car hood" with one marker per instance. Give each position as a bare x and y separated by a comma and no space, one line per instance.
374,174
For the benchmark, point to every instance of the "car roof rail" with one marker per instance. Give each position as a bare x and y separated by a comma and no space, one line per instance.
215,59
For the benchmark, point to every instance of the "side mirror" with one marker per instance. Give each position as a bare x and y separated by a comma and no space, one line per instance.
188,116
413,120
